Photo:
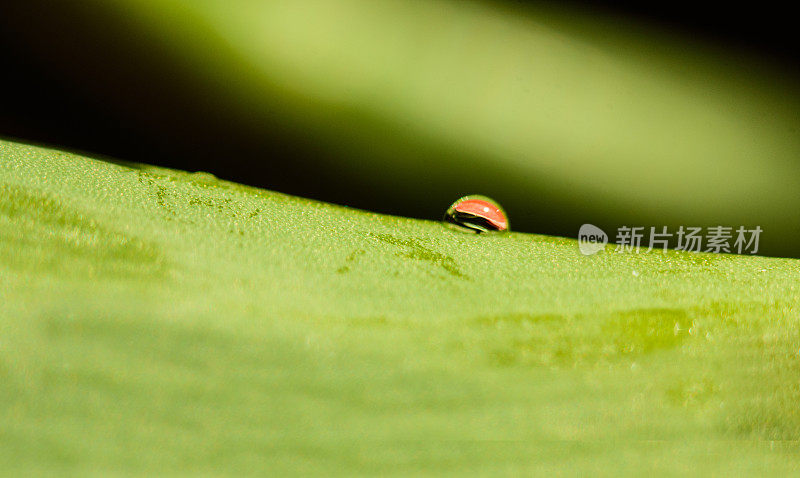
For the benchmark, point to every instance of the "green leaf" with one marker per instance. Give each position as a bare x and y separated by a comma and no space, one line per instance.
160,321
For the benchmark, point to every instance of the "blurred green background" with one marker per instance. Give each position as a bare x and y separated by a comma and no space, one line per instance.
564,114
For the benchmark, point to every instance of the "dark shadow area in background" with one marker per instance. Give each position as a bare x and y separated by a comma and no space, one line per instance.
161,123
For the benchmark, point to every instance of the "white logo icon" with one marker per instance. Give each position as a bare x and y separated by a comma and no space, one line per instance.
591,239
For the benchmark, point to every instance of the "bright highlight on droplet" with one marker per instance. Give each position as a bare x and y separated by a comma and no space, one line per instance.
477,214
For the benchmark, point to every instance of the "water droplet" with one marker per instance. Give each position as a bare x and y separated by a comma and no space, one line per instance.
477,214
